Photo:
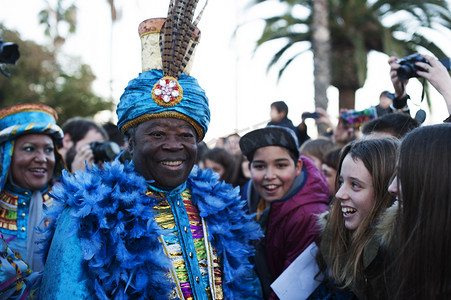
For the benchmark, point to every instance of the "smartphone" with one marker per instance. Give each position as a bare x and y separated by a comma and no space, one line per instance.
313,115
355,118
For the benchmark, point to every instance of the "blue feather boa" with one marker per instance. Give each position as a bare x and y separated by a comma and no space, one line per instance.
119,236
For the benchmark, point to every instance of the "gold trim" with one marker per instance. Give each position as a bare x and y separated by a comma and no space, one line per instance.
28,107
30,126
157,99
149,32
210,261
166,114
13,132
173,273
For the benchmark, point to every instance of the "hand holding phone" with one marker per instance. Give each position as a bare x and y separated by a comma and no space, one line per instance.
311,115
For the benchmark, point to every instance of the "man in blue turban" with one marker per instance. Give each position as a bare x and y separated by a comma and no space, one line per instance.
156,227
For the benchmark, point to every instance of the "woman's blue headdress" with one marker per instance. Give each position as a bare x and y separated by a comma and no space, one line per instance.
21,119
165,89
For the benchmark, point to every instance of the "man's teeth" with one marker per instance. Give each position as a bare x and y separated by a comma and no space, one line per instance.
348,210
37,170
172,163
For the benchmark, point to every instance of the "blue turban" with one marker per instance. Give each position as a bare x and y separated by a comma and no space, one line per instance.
137,105
21,119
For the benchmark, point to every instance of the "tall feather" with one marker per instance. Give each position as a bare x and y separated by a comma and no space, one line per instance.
177,32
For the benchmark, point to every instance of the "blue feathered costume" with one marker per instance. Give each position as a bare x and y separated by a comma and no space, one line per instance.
107,243
117,236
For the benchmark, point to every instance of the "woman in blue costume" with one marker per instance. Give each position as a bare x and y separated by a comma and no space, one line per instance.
157,227
30,163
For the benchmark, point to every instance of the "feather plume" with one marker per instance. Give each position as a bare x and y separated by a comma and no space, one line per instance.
178,36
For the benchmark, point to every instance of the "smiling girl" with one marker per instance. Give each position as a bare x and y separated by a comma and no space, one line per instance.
286,191
350,247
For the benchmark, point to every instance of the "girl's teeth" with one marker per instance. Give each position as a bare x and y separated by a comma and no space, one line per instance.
348,210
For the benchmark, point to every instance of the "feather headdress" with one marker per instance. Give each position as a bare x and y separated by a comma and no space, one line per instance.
168,46
176,44
177,37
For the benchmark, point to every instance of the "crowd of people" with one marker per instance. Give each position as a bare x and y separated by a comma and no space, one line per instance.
144,209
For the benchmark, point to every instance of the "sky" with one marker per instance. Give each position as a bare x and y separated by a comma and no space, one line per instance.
234,76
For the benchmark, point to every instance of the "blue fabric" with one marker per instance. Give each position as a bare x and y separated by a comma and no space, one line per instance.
110,219
24,119
136,101
67,280
19,244
326,291
14,272
186,239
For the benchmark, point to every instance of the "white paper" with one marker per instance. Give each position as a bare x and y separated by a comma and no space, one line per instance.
298,280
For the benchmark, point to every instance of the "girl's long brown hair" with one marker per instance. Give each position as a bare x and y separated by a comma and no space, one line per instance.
424,176
346,249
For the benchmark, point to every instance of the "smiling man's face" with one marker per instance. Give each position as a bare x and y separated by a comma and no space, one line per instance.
164,150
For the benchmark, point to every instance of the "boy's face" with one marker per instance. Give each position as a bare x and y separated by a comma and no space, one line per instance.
273,172
275,115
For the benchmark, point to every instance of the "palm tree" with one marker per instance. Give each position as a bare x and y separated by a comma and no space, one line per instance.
321,55
394,27
54,16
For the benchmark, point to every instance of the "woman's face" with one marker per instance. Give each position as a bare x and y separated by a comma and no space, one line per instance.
216,167
356,192
33,161
330,174
273,172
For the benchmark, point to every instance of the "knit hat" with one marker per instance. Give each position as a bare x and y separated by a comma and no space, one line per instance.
269,136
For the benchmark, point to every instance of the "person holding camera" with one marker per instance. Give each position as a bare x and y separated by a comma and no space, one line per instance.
424,66
82,137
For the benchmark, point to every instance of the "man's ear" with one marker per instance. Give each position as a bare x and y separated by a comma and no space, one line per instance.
130,144
67,141
299,165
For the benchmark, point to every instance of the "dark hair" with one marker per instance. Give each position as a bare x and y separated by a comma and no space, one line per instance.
280,106
397,124
202,148
238,178
384,93
332,158
424,176
78,127
317,147
114,133
224,158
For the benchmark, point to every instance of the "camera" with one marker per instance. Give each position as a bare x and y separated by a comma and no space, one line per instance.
9,52
408,68
104,151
